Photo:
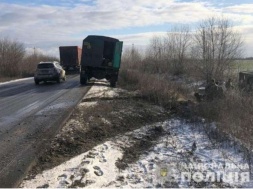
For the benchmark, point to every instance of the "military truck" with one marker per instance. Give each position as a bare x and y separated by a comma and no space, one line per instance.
70,57
246,80
101,58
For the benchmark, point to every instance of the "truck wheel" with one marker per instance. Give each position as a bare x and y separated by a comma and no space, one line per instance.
88,77
83,79
37,82
112,83
113,80
58,80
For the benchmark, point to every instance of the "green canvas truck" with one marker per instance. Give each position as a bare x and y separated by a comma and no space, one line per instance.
101,58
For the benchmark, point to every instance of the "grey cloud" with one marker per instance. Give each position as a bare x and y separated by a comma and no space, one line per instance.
45,25
243,8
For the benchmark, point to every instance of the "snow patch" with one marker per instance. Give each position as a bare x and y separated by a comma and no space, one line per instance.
96,168
88,104
105,121
91,167
16,80
103,91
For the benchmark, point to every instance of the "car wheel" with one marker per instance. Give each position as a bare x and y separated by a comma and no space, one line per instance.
58,80
83,79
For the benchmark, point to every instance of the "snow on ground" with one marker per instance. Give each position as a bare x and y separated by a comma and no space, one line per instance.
185,156
88,104
102,90
15,80
87,168
184,151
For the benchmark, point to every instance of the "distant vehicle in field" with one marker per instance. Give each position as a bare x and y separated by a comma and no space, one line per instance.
70,57
246,80
49,71
212,90
101,58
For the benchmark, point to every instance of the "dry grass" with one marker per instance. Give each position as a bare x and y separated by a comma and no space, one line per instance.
153,87
4,79
233,115
132,153
25,67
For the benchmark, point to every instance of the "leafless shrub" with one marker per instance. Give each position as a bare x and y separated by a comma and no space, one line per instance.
131,58
11,55
216,46
169,54
154,88
177,45
233,115
128,80
236,116
14,63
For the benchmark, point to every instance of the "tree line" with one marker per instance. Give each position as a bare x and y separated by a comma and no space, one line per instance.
16,62
209,51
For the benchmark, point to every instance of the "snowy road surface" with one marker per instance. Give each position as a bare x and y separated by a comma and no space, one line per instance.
29,115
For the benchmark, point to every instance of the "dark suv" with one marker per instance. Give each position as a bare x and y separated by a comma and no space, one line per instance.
49,71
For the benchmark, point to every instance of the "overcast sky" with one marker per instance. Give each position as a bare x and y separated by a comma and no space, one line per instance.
48,24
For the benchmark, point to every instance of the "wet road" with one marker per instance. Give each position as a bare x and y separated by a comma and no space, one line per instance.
29,116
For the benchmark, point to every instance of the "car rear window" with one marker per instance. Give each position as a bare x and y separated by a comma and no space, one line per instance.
45,65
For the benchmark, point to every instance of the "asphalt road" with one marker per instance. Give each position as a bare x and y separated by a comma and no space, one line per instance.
30,116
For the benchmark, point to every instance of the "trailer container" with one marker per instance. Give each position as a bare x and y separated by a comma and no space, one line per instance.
101,58
70,57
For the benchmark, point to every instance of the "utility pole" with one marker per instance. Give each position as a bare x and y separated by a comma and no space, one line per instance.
132,51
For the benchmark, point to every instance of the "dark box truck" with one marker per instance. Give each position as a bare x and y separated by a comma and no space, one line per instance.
246,80
101,58
70,57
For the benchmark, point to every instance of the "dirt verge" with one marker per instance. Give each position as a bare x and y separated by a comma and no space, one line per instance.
141,145
102,114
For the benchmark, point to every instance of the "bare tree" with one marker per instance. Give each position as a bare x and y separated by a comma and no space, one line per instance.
154,59
131,58
176,45
156,48
216,47
168,54
11,55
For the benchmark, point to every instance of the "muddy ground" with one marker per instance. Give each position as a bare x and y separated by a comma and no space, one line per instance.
99,117
114,138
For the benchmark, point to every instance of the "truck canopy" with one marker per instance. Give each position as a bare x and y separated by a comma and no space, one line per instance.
101,51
